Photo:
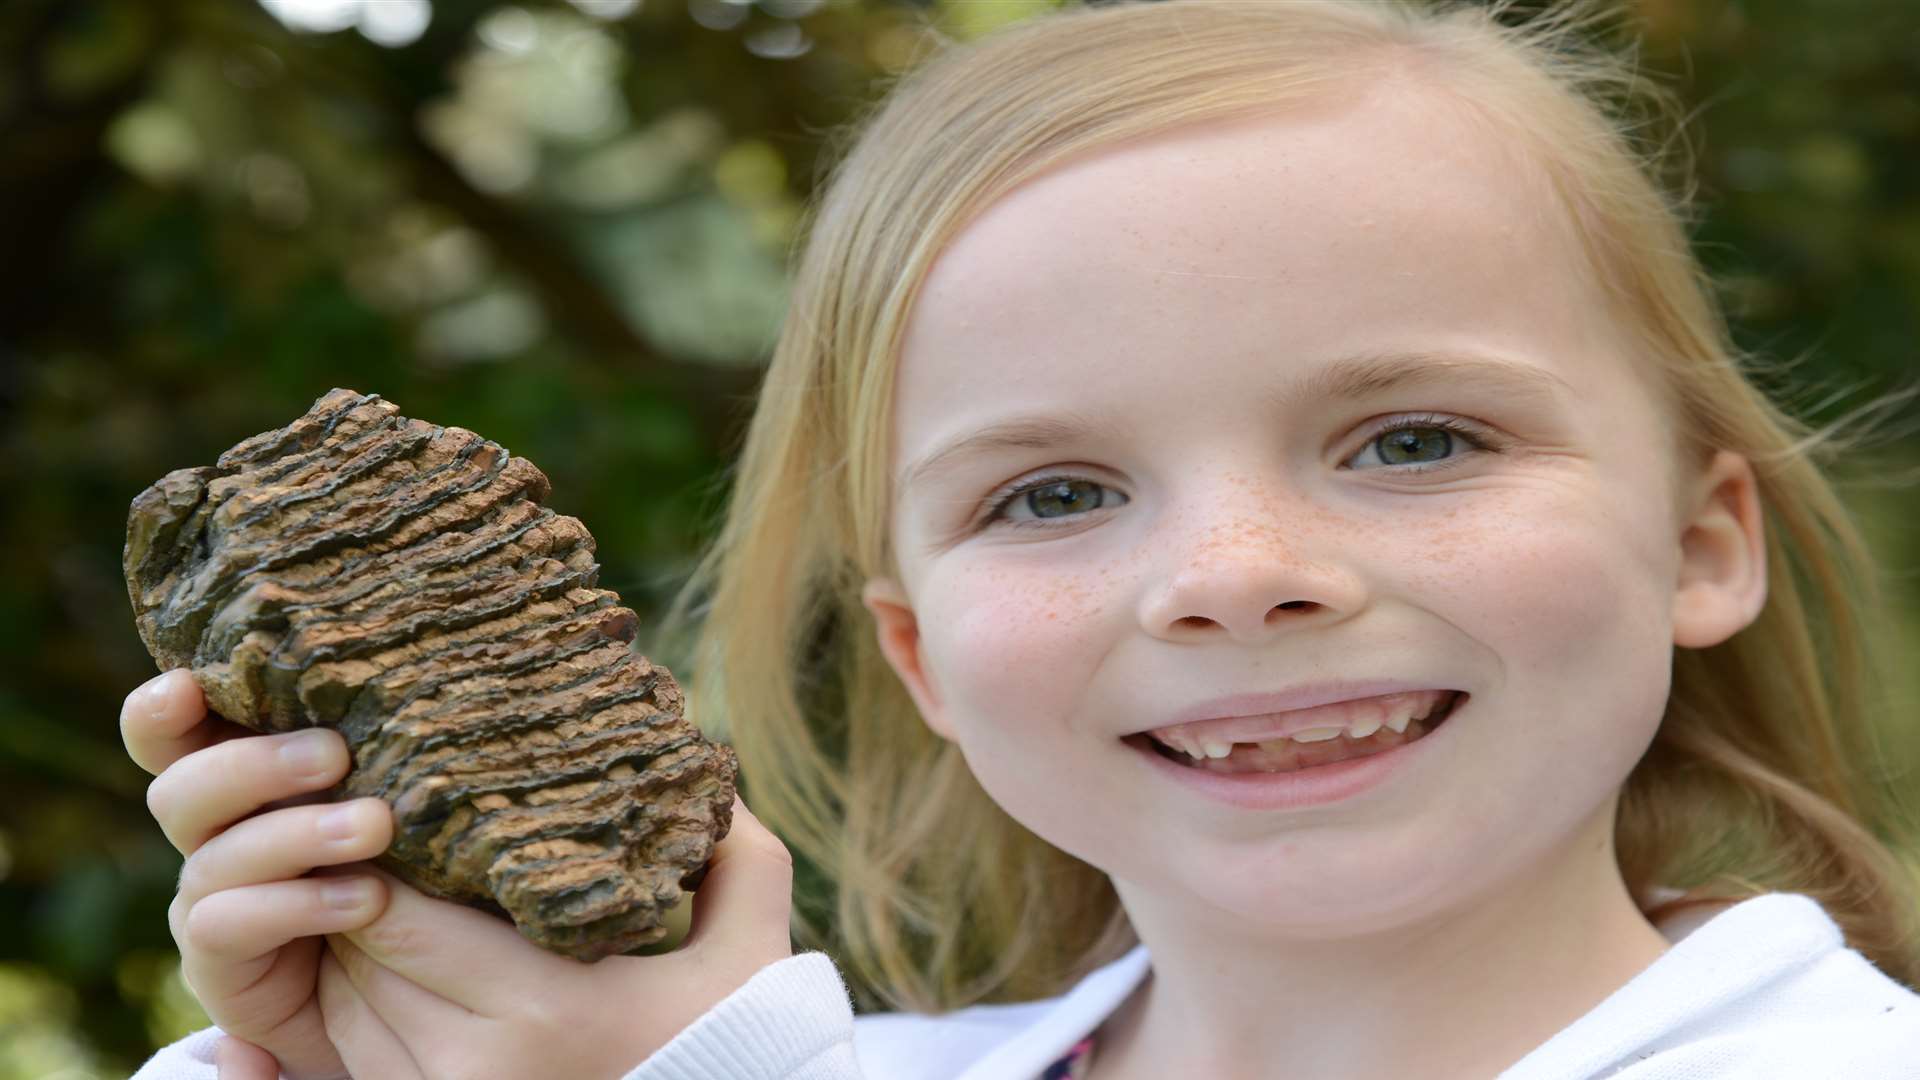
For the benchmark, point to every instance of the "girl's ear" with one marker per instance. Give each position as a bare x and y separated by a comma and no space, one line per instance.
899,635
1723,556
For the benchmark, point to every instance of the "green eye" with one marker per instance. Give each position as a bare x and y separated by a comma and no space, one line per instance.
1062,494
1066,493
1417,444
1414,445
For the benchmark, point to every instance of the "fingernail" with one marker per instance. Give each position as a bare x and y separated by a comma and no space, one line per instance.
347,893
307,752
338,823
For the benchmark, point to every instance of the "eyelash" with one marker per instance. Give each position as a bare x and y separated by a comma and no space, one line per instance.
1476,437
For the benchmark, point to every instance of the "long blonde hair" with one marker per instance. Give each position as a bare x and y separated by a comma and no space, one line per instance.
928,894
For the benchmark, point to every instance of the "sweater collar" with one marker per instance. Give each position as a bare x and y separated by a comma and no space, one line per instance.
1741,952
1073,1015
1713,959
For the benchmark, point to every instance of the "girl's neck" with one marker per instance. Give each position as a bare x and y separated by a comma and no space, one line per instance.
1466,995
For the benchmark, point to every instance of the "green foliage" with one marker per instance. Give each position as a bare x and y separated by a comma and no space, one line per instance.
569,233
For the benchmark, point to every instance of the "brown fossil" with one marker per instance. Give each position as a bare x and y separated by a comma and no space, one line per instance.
400,582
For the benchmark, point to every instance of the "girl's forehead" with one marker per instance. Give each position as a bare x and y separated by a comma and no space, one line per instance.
1280,241
1258,198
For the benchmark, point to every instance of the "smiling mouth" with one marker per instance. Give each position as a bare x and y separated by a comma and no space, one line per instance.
1289,755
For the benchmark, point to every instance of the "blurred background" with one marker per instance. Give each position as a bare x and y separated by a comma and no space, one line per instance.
566,225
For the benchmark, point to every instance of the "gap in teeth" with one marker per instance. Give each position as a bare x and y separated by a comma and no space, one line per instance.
1393,713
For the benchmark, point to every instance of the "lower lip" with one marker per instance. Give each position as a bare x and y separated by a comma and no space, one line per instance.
1316,786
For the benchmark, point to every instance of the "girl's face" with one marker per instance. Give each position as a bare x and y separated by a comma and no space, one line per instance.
1233,522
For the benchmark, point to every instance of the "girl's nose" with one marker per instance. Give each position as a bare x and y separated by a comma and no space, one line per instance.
1252,586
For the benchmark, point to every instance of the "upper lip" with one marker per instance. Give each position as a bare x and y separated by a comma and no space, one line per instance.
1306,696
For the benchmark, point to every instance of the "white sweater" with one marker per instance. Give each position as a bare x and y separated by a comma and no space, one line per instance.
1764,990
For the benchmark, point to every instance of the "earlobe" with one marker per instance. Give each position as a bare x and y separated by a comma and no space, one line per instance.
1722,581
898,633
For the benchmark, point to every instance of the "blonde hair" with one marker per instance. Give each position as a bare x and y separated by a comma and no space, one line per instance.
933,898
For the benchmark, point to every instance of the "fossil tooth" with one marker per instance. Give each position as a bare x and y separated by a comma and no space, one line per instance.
401,582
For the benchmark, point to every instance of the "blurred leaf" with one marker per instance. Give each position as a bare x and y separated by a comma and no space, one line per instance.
695,277
38,1037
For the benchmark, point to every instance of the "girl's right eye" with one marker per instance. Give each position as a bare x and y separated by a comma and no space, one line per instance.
1067,493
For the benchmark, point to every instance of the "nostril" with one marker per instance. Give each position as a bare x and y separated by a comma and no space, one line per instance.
1294,604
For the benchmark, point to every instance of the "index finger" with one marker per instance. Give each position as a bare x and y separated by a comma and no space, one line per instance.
166,719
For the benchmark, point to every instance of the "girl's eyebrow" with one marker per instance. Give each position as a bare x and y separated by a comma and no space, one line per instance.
1356,376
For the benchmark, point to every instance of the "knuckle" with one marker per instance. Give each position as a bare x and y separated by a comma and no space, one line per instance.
177,918
178,798
237,764
769,847
392,937
160,796
205,929
192,873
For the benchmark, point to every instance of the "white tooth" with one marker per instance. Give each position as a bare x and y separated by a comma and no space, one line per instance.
1318,734
1180,741
1399,714
1363,728
1215,748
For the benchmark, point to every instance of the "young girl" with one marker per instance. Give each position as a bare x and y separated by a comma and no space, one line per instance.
1256,557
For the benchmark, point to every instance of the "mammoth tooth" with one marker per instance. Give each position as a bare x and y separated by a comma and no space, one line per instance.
401,583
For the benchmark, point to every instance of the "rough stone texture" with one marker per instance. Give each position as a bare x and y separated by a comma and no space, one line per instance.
400,582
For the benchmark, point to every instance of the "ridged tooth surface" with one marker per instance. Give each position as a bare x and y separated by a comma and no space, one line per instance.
402,583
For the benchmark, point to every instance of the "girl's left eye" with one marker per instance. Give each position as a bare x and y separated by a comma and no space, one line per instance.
1408,445
1414,436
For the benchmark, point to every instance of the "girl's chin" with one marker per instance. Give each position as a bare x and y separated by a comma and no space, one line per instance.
1247,911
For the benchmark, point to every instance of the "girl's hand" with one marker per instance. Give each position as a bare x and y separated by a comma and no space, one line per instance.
246,918
432,990
237,1059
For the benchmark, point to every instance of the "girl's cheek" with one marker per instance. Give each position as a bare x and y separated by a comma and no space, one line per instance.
1012,640
1569,597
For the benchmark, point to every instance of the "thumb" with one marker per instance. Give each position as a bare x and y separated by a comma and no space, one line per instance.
746,898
